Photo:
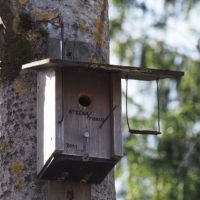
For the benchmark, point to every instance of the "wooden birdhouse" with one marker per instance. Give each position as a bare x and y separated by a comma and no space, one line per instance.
79,117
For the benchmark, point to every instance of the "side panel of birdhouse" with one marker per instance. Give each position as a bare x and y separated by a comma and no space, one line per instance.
59,110
117,150
45,117
87,123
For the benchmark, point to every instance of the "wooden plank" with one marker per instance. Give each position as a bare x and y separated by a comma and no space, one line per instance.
79,119
53,48
68,191
45,117
59,111
72,168
138,73
73,50
40,120
117,150
144,132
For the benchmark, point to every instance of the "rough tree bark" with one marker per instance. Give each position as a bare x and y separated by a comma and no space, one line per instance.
29,28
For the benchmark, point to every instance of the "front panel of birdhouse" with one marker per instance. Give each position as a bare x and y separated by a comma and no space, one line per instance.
87,114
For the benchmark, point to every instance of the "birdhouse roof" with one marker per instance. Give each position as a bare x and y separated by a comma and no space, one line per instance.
126,72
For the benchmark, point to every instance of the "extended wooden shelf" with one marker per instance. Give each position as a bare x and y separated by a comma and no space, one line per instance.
138,73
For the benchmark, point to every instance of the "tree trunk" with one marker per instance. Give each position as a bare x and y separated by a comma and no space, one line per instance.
30,33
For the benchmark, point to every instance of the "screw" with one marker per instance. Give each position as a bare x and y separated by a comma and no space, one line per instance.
86,135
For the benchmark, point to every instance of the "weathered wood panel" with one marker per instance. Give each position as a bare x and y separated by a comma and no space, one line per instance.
45,116
79,119
117,150
138,73
68,191
59,111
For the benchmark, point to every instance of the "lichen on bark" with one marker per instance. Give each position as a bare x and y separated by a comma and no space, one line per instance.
22,41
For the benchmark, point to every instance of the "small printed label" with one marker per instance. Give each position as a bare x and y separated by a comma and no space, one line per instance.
71,146
88,115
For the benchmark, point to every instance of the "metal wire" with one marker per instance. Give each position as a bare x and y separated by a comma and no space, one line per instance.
62,98
158,101
143,132
61,23
108,116
127,104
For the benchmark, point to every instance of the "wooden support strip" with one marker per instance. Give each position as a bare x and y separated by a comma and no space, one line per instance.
68,191
117,151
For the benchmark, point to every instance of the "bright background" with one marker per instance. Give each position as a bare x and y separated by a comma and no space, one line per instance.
162,34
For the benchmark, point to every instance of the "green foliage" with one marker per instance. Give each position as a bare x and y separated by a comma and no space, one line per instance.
166,167
123,3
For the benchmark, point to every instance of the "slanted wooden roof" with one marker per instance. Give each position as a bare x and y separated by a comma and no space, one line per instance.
138,73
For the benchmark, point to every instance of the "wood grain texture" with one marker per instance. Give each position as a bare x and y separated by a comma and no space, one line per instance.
45,116
79,119
68,191
117,151
130,72
59,111
40,119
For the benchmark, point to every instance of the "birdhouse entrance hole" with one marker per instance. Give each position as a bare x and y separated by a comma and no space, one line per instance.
84,100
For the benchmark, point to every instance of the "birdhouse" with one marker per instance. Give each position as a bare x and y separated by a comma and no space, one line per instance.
79,117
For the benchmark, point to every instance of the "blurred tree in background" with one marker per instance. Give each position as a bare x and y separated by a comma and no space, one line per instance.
160,34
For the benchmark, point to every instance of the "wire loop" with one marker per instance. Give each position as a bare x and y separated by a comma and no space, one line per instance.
143,132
